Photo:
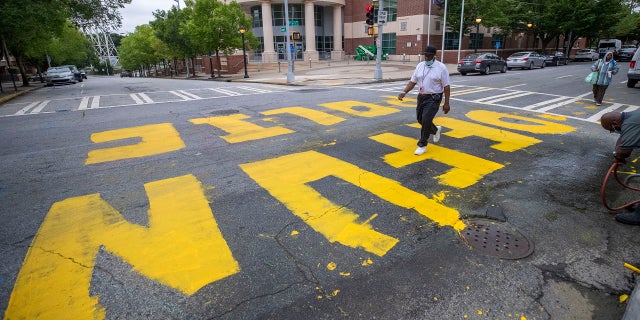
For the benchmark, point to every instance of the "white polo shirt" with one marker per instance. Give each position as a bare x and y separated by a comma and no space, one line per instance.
431,79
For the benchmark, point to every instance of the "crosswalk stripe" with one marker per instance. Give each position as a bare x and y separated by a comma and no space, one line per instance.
95,103
40,107
224,91
135,98
513,96
27,108
145,97
181,95
553,106
473,90
498,96
597,116
544,103
84,103
193,96
254,89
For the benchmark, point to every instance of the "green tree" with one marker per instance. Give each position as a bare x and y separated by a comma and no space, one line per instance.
140,49
71,47
214,27
167,28
27,26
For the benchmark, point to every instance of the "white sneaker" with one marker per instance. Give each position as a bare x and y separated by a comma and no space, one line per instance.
436,137
420,151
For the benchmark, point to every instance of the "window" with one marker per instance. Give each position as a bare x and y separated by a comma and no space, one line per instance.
318,15
391,6
296,12
403,26
497,38
256,15
389,43
475,40
451,41
437,25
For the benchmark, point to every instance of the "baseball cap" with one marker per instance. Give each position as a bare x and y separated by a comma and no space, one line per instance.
430,50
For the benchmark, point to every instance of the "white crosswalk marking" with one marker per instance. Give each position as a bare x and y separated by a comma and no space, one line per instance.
184,97
544,103
95,103
191,95
84,103
135,98
145,97
254,89
498,96
597,116
226,92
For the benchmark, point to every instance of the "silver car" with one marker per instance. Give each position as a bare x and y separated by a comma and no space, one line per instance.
60,75
526,60
586,54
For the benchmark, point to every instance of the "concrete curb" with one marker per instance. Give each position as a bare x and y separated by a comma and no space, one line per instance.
20,92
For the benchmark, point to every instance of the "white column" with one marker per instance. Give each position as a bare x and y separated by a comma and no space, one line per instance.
310,31
269,54
337,53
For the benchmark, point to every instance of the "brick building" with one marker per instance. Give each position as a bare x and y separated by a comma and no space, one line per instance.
339,27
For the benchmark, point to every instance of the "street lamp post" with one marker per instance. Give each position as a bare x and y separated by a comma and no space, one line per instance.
244,54
526,45
478,20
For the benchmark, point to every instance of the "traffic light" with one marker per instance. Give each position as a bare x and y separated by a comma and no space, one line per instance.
370,15
295,36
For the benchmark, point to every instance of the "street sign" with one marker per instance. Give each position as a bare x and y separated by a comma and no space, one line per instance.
283,29
293,22
497,44
382,17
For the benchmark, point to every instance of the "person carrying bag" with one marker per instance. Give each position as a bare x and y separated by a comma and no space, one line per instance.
601,73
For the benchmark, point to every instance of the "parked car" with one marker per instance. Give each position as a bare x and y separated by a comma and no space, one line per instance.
125,73
83,74
626,53
75,71
633,75
483,63
525,60
555,58
62,74
586,54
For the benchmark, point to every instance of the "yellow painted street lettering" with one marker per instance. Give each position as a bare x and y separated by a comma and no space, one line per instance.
154,139
316,116
405,103
515,122
467,169
287,177
507,141
360,109
240,130
181,248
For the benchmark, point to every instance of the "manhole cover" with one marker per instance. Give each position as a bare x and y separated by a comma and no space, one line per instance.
497,239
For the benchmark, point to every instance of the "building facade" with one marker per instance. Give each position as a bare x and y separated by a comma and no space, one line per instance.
333,29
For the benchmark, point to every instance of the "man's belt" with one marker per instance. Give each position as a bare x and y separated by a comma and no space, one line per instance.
434,96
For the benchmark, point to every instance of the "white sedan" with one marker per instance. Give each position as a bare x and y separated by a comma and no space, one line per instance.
586,54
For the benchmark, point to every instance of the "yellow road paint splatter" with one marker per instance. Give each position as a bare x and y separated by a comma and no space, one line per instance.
345,274
154,139
480,312
623,298
331,266
294,232
182,248
335,292
367,262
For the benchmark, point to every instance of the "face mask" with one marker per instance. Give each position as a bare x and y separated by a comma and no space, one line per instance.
430,62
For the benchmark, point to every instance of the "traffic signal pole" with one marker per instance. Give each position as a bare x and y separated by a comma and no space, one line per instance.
377,74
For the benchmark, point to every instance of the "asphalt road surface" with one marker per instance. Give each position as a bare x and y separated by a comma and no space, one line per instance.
126,198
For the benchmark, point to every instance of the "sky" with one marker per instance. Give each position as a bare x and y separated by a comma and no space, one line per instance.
140,12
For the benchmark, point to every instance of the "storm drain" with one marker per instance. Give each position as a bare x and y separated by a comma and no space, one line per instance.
497,239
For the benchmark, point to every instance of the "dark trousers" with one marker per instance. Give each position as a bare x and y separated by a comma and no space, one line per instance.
426,110
598,92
